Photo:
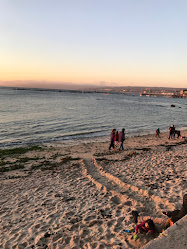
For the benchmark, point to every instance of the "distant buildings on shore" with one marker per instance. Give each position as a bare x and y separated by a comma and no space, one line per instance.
178,94
147,91
183,93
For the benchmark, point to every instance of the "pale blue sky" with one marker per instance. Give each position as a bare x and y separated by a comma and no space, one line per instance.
138,42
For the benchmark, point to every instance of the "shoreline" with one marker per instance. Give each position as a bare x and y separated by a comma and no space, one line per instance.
82,196
74,141
106,139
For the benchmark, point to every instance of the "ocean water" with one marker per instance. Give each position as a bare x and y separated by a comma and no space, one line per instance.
32,116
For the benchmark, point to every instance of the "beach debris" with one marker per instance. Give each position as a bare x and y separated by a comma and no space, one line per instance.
135,237
129,230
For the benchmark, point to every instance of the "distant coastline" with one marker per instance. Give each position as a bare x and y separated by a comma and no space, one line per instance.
126,90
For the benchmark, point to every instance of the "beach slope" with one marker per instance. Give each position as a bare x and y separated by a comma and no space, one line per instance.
69,196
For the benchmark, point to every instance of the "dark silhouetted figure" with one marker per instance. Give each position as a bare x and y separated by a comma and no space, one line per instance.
112,139
171,131
158,132
121,138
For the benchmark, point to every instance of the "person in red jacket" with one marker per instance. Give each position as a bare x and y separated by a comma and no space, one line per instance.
116,138
147,227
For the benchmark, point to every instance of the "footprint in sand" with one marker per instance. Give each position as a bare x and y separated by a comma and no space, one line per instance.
110,223
67,240
84,232
37,226
69,214
94,245
118,212
74,227
89,218
116,200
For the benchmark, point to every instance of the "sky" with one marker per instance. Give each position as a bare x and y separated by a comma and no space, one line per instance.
112,42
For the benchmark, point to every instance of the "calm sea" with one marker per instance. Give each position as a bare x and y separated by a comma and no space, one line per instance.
32,116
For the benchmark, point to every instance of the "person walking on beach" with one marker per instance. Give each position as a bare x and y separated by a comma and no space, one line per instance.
116,139
158,132
112,139
171,131
121,138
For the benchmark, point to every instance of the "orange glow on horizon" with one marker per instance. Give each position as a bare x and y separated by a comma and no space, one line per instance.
124,75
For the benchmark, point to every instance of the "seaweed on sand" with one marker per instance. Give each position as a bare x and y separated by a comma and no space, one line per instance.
18,150
12,167
27,159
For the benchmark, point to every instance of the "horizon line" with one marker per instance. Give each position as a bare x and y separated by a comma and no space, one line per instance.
85,85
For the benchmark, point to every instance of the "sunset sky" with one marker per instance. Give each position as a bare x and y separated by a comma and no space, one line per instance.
123,42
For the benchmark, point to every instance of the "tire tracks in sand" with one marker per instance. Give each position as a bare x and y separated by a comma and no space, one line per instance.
104,184
122,192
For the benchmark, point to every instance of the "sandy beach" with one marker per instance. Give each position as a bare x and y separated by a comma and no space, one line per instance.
81,196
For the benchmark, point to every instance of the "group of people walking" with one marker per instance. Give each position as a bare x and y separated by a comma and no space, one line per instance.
117,138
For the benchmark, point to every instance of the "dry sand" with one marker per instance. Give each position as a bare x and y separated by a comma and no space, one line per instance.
82,196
